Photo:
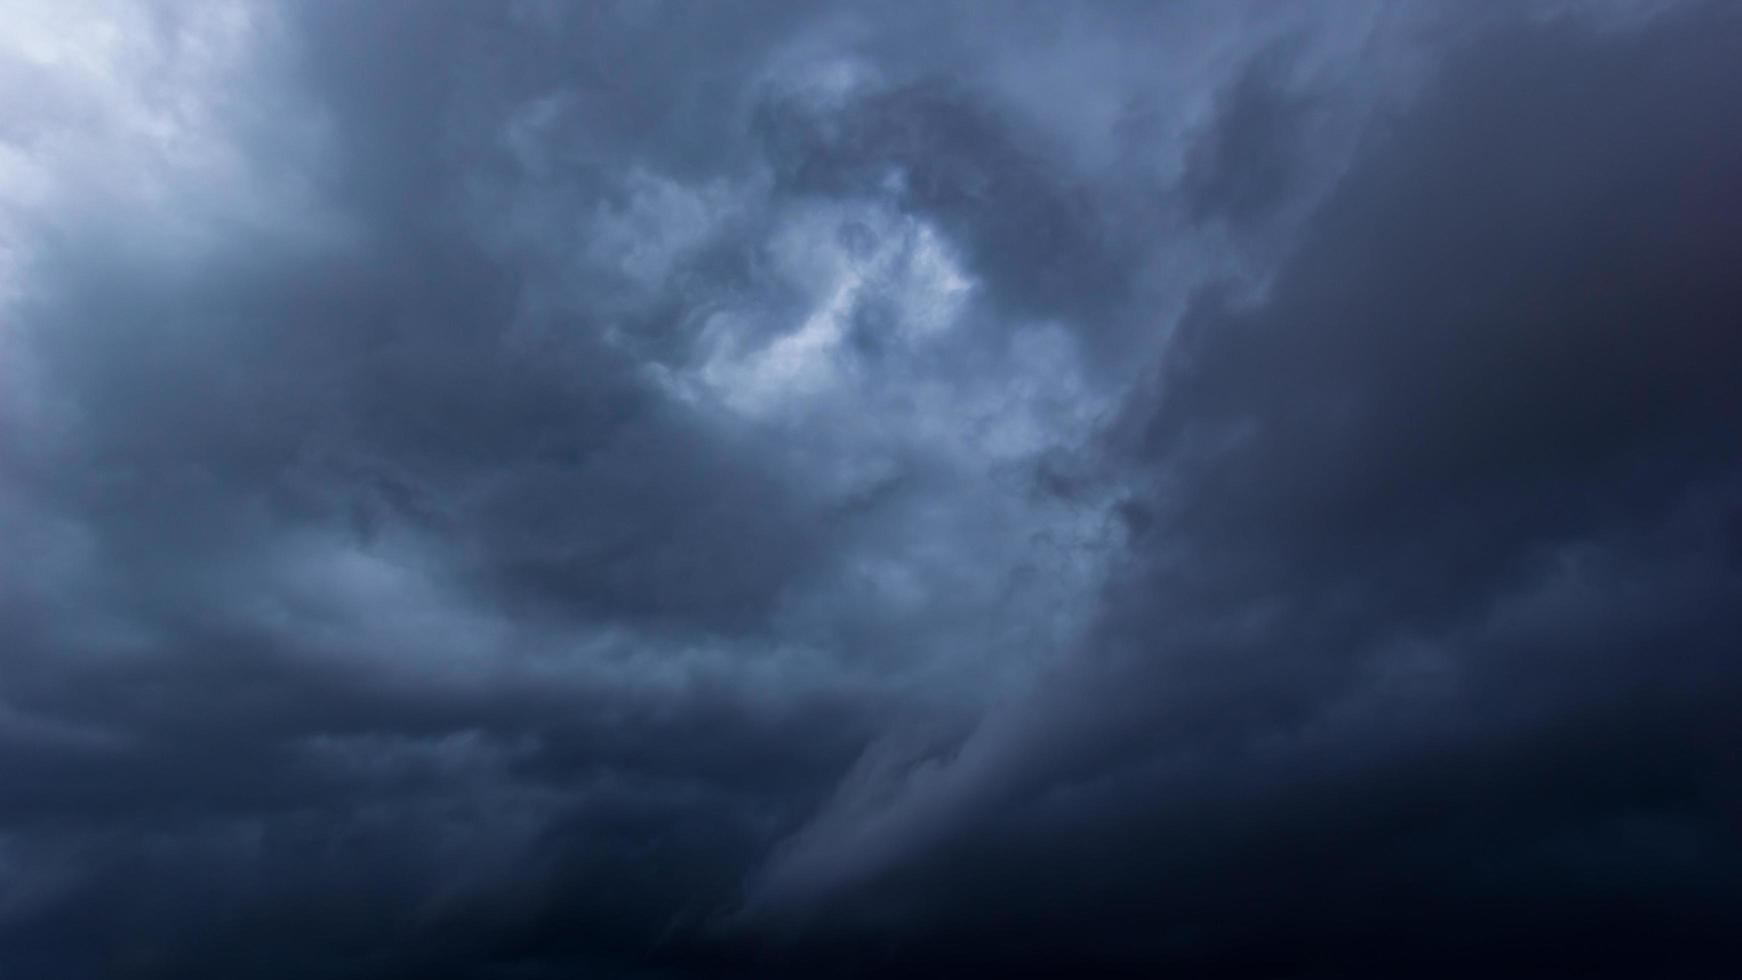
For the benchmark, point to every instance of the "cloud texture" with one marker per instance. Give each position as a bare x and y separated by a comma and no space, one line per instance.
720,490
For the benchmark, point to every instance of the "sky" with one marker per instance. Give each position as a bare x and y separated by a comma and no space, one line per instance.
523,490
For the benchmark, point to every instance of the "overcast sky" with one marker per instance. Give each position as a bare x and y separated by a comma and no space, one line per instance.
528,490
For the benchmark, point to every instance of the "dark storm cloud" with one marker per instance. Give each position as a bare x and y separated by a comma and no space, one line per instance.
1427,663
1240,169
943,154
712,490
226,707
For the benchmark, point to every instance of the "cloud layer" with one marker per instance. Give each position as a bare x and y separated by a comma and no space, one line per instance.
533,490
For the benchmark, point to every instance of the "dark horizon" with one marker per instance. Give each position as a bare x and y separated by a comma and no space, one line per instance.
524,490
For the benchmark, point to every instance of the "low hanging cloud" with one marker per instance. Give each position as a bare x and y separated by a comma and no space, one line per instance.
767,490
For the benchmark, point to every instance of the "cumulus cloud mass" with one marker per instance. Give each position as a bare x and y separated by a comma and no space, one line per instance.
536,490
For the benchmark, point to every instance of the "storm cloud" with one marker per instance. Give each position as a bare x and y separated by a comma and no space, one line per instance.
710,490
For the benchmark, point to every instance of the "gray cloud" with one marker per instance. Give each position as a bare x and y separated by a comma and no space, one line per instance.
1429,621
756,490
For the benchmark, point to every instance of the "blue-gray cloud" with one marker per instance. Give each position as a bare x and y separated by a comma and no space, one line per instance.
747,489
